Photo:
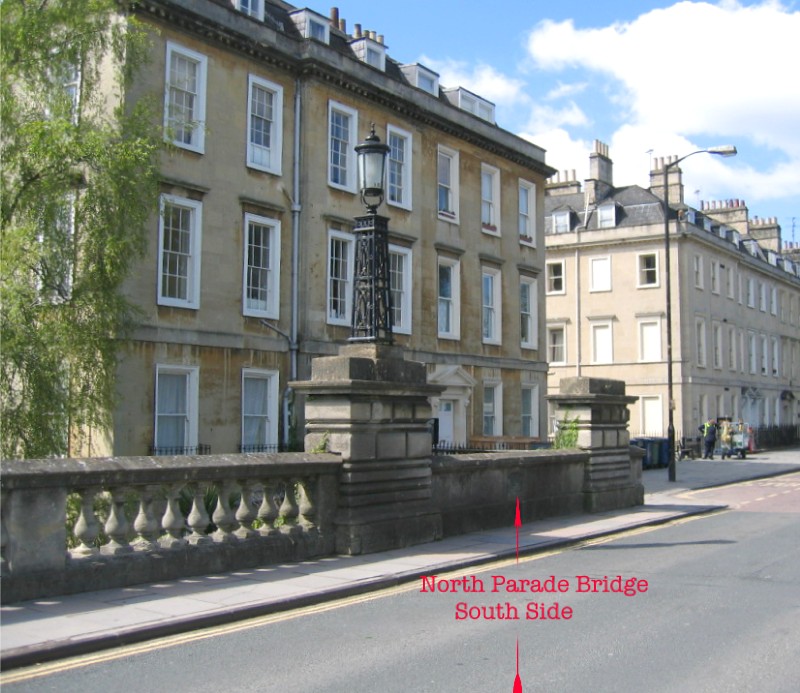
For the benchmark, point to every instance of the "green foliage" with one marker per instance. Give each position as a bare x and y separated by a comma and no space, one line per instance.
79,182
566,434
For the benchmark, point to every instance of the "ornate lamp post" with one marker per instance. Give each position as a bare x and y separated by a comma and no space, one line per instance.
372,296
723,150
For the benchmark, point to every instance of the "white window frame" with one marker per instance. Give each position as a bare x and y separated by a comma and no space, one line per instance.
251,8
497,407
191,373
370,52
404,290
490,200
275,150
529,317
751,292
776,356
650,348
762,296
715,279
562,222
270,429
552,329
701,343
526,218
529,394
308,20
764,355
716,344
273,270
451,159
346,281
641,271
773,303
491,306
600,279
197,125
550,278
732,347
598,328
752,352
699,281
349,166
454,300
731,283
607,216
406,168
193,264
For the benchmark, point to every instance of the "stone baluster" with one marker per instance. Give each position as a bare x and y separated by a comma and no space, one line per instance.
305,506
198,519
117,525
146,523
173,522
223,516
87,528
288,511
268,511
245,513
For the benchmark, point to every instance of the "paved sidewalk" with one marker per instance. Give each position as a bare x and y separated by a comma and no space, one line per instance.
47,629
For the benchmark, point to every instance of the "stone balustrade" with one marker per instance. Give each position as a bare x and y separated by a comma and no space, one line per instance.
72,525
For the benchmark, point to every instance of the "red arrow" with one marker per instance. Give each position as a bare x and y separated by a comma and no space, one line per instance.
517,679
517,524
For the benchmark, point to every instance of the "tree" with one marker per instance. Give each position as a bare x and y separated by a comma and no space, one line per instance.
79,183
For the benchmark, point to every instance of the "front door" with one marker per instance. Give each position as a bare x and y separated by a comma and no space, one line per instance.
446,431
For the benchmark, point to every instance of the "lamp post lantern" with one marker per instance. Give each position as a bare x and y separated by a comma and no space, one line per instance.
372,296
723,150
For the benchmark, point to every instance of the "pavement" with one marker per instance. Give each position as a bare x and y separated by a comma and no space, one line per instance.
48,629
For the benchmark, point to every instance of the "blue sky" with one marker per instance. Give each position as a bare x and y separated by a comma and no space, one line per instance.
650,78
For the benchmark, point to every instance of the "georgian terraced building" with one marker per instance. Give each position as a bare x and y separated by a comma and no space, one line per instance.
248,271
735,301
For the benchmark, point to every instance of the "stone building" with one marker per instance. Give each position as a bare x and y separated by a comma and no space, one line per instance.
735,300
248,271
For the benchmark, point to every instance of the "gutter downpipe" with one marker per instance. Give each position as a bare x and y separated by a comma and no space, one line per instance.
288,394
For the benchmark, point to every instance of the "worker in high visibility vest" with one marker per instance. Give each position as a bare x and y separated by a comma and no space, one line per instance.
709,431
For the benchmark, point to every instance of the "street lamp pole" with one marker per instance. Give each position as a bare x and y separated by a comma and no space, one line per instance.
372,295
723,150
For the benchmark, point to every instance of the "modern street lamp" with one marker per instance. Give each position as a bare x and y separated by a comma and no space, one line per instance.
723,150
372,296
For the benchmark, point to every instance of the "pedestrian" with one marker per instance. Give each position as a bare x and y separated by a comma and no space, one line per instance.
709,431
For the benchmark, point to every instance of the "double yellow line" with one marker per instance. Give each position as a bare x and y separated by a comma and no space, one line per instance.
40,670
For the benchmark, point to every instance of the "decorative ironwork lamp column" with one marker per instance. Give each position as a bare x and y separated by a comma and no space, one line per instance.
723,150
372,296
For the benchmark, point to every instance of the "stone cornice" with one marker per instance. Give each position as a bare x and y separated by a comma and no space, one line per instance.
309,60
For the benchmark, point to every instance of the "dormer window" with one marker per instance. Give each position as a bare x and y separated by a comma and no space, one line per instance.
472,103
252,8
311,25
562,222
422,78
371,52
607,216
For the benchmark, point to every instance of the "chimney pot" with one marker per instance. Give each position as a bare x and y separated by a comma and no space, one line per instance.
334,16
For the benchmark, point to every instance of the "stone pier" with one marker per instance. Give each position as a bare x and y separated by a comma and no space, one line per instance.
598,409
371,406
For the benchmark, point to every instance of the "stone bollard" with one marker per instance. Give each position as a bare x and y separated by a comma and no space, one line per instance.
372,407
597,408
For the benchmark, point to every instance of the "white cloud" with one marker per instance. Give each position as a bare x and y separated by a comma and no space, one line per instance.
544,118
684,77
565,90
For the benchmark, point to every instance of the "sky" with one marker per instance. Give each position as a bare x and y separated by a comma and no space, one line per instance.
650,78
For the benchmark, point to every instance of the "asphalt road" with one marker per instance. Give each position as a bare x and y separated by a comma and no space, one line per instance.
721,612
